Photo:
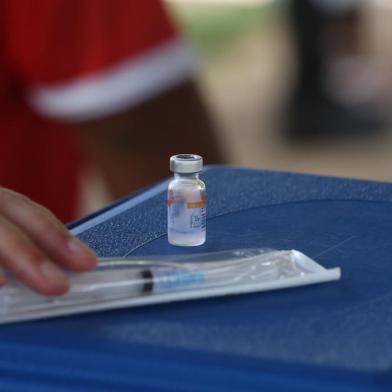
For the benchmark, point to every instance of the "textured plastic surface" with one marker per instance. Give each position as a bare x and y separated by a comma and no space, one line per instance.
329,337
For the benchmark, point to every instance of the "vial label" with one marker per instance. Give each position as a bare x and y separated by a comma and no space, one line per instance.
187,218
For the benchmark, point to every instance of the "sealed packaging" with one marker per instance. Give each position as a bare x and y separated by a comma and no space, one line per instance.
127,282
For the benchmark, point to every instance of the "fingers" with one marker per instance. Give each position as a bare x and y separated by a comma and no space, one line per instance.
34,244
46,232
28,263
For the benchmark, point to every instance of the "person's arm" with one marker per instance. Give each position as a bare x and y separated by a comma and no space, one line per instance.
35,247
132,149
126,75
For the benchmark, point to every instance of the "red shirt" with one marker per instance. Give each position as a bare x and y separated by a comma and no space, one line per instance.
64,61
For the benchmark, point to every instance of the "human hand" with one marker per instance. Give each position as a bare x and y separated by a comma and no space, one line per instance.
35,246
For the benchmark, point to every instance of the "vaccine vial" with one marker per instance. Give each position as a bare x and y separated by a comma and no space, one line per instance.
186,202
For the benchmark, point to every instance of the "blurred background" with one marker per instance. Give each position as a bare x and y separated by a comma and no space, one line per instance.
249,62
247,73
95,102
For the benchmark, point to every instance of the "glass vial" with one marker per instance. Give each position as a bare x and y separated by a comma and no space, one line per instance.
186,202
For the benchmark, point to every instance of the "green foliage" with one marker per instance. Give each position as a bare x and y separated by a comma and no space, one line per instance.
211,28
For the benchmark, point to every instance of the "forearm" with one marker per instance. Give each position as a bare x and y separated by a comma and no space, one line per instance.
131,149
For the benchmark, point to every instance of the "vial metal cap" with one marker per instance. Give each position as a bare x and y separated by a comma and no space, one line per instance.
186,163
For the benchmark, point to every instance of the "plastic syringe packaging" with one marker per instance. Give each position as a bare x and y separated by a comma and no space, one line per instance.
135,281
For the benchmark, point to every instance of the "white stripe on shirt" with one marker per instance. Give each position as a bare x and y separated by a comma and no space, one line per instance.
113,89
